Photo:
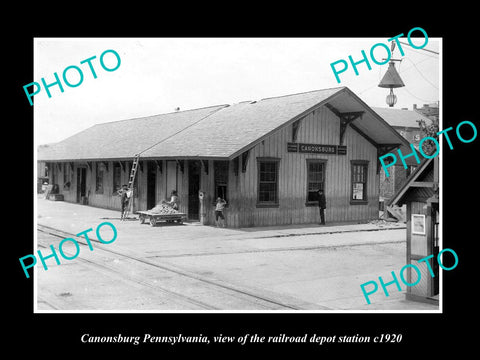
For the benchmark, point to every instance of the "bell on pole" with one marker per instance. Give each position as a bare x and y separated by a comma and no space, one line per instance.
391,80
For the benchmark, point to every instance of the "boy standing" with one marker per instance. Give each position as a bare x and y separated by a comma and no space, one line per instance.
123,199
220,205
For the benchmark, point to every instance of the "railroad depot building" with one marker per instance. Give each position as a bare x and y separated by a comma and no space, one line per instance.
267,158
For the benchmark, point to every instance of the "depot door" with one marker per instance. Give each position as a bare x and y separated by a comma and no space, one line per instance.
151,184
194,168
171,182
81,183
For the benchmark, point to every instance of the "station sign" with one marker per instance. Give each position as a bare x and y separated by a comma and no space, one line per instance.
317,148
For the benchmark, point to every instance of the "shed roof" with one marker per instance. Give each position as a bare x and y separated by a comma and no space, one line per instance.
221,131
401,118
123,139
424,173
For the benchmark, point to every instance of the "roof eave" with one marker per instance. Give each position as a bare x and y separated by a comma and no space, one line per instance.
287,123
402,140
398,197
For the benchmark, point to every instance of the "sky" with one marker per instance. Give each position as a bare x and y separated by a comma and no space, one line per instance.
157,75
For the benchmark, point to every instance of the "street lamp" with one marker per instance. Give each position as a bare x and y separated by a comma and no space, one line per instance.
391,80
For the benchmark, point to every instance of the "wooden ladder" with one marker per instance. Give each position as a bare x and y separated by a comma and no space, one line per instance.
131,181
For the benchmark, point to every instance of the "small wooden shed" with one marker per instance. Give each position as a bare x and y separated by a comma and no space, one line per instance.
421,195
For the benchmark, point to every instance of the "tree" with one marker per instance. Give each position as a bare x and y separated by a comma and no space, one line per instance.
429,130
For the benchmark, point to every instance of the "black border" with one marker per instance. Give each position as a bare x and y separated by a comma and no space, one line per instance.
428,334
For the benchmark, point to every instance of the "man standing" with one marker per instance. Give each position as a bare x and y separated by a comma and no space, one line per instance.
322,204
123,193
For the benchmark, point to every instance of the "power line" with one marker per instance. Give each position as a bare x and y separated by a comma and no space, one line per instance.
422,74
404,70
400,72
418,62
416,97
421,48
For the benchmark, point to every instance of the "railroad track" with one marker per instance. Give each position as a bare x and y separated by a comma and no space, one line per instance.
197,291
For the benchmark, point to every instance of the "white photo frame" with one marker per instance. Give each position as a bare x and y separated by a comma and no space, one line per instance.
418,224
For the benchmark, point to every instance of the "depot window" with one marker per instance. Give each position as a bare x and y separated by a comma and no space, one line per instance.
117,177
315,179
67,176
99,169
220,170
359,182
267,182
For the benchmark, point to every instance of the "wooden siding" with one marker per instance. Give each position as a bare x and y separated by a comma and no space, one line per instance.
318,127
108,199
418,247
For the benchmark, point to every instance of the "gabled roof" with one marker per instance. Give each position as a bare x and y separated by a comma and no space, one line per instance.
401,118
221,131
123,139
423,173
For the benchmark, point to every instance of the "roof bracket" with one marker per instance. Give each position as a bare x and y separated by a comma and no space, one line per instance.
159,164
295,127
235,165
382,150
245,156
205,166
122,165
345,119
181,164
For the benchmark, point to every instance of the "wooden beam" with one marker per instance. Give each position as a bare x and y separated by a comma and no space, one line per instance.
365,136
346,118
235,165
343,127
333,109
205,166
295,127
159,164
245,156
346,114
385,148
181,164
436,170
424,184
382,150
